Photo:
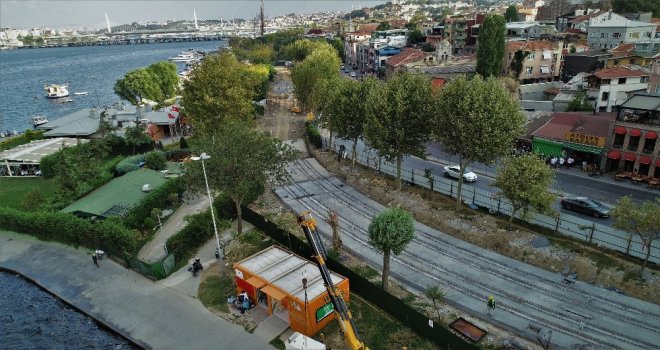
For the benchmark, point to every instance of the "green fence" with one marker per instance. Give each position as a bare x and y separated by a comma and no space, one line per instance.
156,270
374,294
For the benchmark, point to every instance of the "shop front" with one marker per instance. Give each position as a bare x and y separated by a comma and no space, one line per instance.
273,280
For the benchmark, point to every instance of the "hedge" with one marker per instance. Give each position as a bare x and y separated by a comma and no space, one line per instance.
177,155
314,135
108,235
157,198
129,164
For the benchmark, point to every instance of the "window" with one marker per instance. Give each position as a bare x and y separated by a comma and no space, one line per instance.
634,35
618,140
616,62
647,34
633,143
547,54
605,97
528,70
602,35
616,35
644,79
605,82
545,69
622,80
530,56
632,61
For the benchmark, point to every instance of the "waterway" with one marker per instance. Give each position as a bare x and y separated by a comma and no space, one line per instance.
93,69
31,318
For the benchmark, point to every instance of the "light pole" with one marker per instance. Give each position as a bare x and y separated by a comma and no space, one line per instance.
203,157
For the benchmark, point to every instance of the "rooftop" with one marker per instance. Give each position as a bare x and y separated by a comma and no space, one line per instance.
579,122
620,22
643,101
408,55
622,72
33,152
533,45
285,270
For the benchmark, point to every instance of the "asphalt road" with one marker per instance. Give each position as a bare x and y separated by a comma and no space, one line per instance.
567,182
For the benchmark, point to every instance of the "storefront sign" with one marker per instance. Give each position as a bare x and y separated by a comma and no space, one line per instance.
324,311
585,139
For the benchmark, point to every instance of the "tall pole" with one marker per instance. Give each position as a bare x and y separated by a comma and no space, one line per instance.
215,227
261,14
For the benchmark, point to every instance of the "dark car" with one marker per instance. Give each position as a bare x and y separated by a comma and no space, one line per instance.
585,205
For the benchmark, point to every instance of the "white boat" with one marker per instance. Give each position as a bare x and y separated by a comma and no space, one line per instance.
56,90
38,120
187,56
68,100
80,93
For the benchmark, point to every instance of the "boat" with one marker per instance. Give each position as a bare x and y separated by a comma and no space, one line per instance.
187,56
56,90
38,120
81,93
68,100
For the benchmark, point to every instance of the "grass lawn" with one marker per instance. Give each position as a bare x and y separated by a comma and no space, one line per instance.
12,189
214,290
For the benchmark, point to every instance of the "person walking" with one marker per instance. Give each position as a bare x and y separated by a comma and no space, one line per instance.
553,162
569,162
561,162
95,260
491,305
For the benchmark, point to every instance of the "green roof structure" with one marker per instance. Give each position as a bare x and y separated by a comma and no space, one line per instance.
118,196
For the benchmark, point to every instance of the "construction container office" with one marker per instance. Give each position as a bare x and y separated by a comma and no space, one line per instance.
272,279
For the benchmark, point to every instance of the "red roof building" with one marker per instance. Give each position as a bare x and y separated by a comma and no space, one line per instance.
408,55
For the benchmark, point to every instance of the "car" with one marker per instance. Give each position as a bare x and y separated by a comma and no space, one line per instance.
353,74
346,70
585,205
341,66
454,170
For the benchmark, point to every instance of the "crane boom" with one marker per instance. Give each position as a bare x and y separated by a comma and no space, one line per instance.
351,335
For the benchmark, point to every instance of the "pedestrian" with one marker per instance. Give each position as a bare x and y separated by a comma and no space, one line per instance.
553,162
561,162
95,260
491,305
569,162
584,166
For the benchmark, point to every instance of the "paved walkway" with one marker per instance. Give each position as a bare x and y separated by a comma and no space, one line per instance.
154,315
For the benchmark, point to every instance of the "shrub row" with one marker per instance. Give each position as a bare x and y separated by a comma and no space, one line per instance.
157,198
28,136
129,164
199,229
314,135
177,155
109,235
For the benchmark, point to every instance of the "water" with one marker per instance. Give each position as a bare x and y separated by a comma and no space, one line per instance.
33,319
94,69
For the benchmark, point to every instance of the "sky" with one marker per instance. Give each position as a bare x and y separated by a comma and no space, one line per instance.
25,14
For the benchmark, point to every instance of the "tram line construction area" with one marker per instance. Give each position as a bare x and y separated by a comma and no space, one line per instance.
529,298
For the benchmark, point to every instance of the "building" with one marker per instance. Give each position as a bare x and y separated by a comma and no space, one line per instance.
632,143
580,135
351,43
654,81
272,280
542,63
24,160
381,55
397,63
616,30
612,86
626,54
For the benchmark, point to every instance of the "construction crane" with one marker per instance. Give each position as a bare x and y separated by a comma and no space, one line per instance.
308,225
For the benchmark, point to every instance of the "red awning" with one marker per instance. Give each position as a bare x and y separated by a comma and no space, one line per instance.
635,133
651,135
630,156
620,130
644,160
616,155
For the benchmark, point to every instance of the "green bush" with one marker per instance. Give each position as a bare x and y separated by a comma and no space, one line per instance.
110,166
157,198
314,135
183,144
109,235
155,160
198,231
176,155
129,164
149,222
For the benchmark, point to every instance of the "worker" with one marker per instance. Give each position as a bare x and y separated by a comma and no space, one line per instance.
490,304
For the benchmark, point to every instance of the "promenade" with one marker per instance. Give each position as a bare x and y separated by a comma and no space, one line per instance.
153,315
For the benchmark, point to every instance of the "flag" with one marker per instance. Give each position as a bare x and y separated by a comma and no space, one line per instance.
175,109
171,116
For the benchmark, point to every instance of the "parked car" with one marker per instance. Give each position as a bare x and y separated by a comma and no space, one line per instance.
353,74
454,171
585,205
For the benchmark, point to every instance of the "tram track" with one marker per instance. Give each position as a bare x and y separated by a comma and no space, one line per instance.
567,323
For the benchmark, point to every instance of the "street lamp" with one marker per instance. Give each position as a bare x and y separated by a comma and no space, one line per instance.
203,157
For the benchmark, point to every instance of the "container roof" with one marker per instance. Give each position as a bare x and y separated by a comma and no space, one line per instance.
285,271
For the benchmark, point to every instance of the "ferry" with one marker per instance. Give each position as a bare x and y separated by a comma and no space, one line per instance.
38,120
56,90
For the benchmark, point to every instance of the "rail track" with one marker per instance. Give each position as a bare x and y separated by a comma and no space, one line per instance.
587,325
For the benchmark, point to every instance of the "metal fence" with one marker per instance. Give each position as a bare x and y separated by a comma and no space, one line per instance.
565,224
156,270
361,286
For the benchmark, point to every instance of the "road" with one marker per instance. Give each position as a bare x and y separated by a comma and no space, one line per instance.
567,182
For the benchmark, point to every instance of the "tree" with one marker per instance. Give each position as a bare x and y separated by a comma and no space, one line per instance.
632,6
166,77
477,120
384,26
524,181
220,88
490,53
399,112
415,36
518,61
300,49
155,160
333,220
135,136
349,112
390,232
511,14
138,85
242,159
322,101
580,103
436,295
322,63
641,220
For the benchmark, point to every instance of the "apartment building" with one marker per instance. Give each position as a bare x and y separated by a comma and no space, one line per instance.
542,63
351,44
616,30
613,86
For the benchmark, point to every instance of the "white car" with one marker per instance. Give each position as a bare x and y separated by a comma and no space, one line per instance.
353,74
454,171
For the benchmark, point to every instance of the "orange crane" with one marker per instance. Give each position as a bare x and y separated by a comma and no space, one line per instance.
308,225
